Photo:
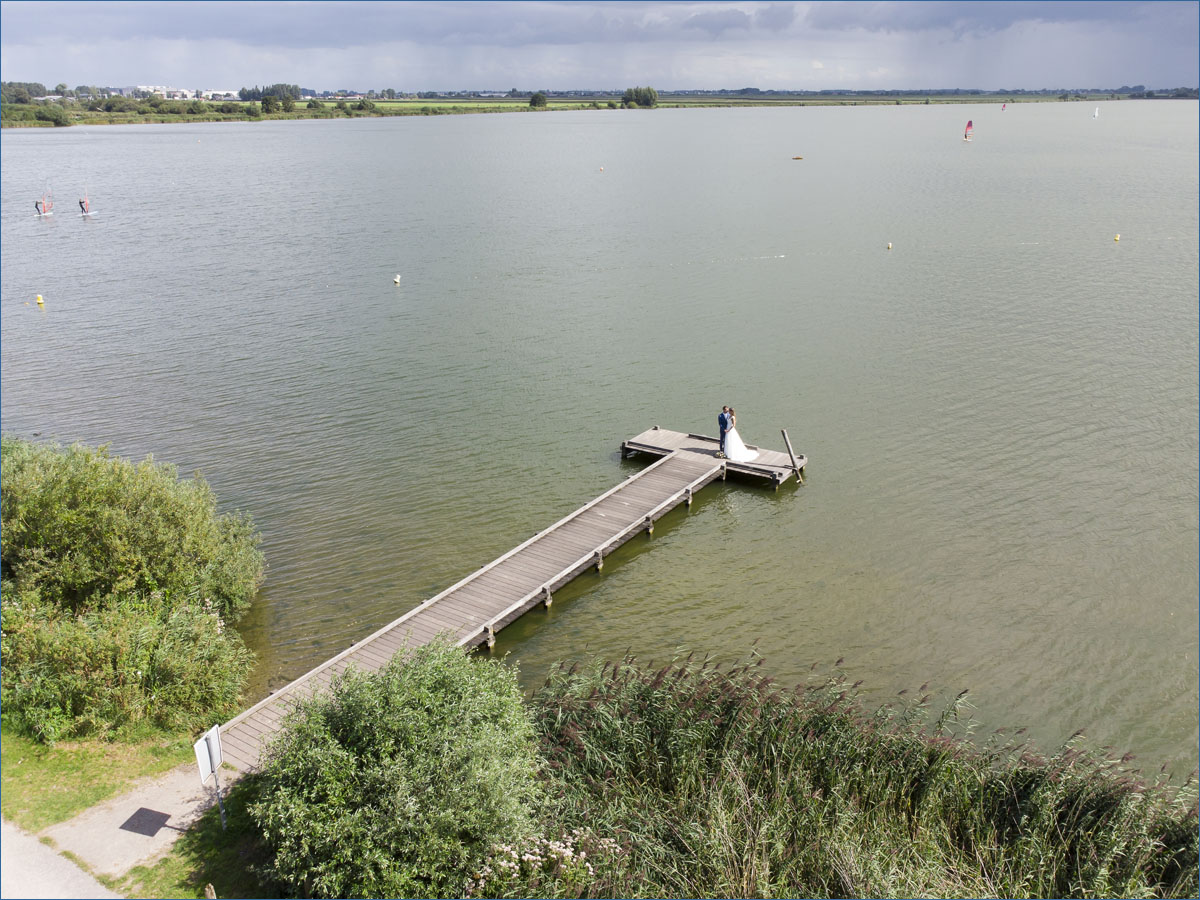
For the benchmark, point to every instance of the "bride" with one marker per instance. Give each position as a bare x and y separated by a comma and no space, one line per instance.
735,447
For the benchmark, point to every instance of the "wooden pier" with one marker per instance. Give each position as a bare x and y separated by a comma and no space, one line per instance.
470,612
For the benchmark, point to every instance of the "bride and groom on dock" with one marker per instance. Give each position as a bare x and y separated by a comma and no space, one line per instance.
733,447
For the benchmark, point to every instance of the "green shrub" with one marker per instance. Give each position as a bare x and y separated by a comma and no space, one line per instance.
154,660
56,115
118,581
81,527
397,784
11,112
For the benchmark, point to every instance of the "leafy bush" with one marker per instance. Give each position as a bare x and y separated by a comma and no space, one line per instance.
398,784
120,104
82,527
154,660
54,114
10,112
117,584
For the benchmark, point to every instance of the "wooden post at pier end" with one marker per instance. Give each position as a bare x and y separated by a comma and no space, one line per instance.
792,454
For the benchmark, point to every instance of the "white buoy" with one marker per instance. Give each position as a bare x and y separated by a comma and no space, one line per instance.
396,280
889,245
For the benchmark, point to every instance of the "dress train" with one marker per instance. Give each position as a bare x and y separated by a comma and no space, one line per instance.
736,449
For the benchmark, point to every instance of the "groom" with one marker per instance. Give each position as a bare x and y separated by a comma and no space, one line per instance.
724,424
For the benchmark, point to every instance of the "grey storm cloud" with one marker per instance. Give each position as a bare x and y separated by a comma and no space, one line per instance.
981,17
349,23
467,44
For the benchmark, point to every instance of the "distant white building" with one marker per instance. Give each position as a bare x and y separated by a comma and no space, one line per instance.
219,95
159,89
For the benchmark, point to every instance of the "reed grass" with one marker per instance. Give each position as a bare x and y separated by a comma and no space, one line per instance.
724,784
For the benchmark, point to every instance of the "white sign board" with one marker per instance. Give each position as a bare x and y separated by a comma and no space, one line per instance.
208,753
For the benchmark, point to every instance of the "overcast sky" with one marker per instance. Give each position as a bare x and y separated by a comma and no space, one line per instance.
594,44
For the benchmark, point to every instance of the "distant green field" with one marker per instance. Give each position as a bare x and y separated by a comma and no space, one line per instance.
15,116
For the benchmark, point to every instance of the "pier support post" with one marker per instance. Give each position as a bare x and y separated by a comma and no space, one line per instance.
491,636
649,525
547,597
688,495
599,560
792,454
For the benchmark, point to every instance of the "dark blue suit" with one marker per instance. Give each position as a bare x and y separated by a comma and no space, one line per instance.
724,423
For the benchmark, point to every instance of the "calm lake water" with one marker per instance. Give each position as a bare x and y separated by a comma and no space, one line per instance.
1000,412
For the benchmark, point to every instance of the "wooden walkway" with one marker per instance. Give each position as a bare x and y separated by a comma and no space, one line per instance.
470,612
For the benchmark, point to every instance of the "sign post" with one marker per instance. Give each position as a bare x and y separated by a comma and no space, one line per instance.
208,758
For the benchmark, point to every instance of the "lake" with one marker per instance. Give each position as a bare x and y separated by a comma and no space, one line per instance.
1000,412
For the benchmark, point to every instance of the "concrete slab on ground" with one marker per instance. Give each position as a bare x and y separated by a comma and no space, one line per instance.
137,826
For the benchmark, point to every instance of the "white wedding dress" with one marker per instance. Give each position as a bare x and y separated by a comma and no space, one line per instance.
736,449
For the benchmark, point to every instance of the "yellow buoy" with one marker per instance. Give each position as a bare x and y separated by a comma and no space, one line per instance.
39,300
1117,238
889,245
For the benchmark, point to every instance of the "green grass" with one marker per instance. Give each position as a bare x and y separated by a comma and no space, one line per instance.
44,785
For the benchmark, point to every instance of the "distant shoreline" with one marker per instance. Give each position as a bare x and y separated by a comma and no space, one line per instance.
172,111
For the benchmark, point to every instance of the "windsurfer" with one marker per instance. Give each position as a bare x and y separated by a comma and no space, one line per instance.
37,204
83,206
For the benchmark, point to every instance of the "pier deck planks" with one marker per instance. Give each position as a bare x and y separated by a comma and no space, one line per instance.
503,590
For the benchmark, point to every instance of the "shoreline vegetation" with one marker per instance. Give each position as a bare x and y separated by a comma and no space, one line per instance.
119,587
64,111
437,776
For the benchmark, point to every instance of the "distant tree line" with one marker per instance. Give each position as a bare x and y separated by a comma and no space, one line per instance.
21,91
278,91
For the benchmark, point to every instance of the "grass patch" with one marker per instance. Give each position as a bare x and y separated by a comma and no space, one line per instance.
45,785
